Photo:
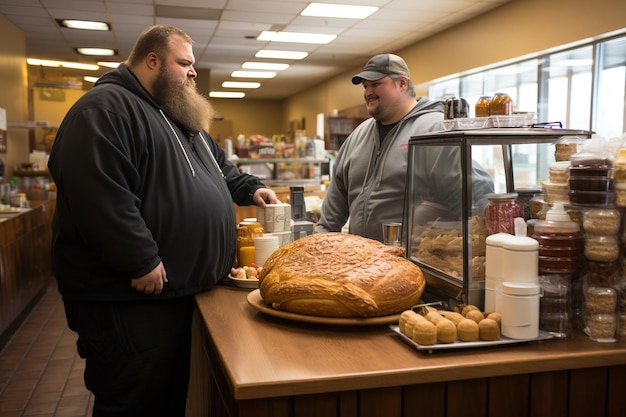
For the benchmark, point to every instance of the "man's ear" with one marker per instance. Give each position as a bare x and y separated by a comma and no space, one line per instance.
152,60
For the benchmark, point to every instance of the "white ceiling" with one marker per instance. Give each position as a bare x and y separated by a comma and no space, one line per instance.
223,45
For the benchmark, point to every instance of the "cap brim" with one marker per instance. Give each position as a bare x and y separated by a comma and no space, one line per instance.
367,75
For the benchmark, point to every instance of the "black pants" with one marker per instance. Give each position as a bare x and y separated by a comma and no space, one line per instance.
137,355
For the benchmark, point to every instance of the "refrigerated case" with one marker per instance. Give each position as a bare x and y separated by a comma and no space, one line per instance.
449,177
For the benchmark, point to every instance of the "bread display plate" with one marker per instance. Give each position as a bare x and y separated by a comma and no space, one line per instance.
466,345
244,282
256,301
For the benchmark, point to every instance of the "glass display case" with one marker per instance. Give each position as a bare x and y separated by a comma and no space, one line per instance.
451,176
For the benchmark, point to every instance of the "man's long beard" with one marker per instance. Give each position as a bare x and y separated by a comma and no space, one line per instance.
183,102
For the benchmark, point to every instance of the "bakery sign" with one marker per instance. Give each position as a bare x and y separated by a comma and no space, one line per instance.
3,130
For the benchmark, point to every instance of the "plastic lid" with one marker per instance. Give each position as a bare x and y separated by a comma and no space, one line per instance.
520,288
521,243
498,239
502,196
558,213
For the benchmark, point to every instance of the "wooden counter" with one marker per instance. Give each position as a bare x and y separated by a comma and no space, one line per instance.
25,258
246,363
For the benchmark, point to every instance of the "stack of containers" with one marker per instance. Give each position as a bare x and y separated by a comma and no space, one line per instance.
559,253
620,201
592,188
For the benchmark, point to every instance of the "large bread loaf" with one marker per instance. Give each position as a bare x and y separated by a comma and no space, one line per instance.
340,275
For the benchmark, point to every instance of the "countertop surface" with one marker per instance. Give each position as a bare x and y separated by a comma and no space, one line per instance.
266,356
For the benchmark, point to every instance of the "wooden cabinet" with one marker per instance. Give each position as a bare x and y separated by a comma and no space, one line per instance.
246,363
337,129
25,259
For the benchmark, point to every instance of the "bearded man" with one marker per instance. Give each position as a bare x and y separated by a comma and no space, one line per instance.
144,220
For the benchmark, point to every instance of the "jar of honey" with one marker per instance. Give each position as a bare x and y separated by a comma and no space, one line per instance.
482,108
245,246
501,104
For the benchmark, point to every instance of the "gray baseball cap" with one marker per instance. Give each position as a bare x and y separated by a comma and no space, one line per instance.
380,66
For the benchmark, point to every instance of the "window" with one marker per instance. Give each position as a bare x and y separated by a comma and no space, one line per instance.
583,87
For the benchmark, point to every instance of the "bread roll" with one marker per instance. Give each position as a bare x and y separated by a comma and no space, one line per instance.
475,315
340,275
446,329
488,329
495,316
453,316
467,330
424,332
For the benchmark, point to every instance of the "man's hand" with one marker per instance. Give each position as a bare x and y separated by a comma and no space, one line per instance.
264,196
151,283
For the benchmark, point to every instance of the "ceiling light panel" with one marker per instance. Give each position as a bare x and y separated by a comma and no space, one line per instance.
296,37
226,94
275,54
343,11
253,74
264,66
96,51
84,24
240,84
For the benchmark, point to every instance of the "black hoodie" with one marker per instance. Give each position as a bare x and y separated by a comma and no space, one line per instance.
133,189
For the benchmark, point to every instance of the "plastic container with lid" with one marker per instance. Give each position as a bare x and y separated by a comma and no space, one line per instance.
482,108
602,248
520,256
559,241
555,305
520,310
602,221
501,104
494,268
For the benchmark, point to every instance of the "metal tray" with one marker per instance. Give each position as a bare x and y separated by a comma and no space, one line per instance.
467,345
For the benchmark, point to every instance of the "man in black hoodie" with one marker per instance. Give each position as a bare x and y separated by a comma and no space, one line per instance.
144,221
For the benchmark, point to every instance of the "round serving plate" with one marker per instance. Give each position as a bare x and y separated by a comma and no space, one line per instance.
256,301
244,282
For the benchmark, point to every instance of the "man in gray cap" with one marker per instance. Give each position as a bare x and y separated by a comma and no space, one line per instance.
368,183
370,170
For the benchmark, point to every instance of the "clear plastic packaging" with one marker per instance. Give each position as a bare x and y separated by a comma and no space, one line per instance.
602,248
601,327
602,221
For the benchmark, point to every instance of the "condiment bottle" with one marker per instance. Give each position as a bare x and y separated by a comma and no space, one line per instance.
559,241
245,246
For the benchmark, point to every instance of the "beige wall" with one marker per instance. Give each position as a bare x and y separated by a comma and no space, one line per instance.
251,117
14,97
518,28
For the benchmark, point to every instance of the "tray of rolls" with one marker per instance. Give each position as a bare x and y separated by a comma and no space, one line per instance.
427,328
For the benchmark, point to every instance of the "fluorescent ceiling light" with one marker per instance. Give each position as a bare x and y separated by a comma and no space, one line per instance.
264,66
240,84
253,74
338,10
96,51
109,64
296,37
63,64
269,53
226,94
84,24
90,79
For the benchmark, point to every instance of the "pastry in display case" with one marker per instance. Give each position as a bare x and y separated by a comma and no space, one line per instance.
463,186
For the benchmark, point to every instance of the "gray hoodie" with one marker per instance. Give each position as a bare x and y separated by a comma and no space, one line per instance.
368,182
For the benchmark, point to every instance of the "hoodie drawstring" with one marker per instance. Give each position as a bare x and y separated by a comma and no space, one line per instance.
193,171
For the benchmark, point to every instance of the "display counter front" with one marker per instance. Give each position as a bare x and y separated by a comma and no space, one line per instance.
246,363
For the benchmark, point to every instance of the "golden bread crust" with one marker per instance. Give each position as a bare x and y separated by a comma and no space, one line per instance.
340,275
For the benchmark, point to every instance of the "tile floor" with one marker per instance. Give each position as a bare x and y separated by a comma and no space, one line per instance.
41,375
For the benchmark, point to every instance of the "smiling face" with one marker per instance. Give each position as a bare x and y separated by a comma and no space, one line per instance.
384,98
